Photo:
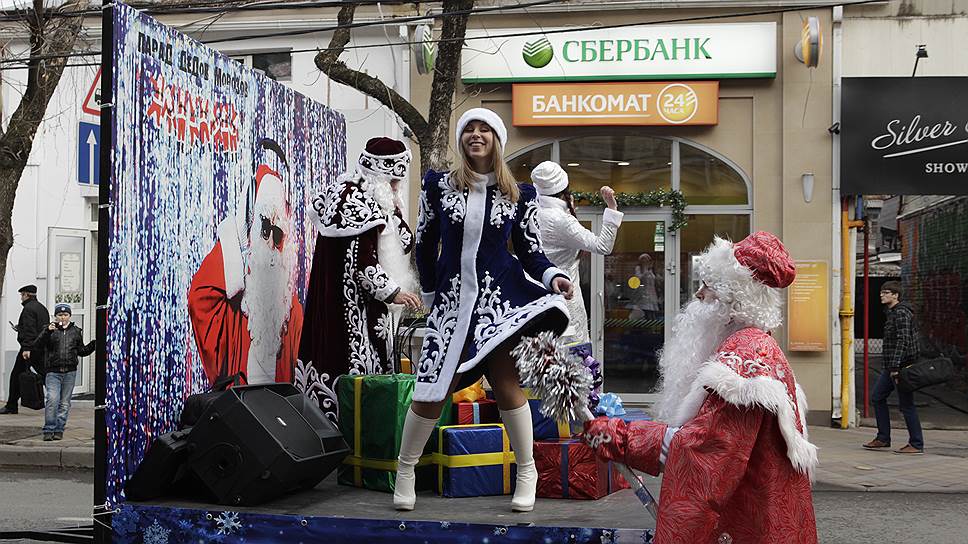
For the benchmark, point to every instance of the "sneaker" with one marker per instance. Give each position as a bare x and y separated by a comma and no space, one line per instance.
909,450
58,436
877,445
48,437
7,410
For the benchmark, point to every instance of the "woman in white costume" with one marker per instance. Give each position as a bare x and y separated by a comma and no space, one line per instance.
482,299
564,238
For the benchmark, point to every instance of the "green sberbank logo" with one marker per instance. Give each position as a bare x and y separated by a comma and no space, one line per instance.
538,53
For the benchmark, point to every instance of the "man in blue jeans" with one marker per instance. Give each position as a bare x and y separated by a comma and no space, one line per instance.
64,343
900,350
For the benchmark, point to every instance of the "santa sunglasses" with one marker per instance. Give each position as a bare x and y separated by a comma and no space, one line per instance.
268,229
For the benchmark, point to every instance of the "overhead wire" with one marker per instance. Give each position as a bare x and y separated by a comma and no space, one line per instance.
696,18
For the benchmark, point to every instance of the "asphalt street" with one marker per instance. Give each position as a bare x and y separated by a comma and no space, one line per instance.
38,500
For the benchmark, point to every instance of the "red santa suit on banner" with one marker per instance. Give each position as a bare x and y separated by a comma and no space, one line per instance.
244,311
731,438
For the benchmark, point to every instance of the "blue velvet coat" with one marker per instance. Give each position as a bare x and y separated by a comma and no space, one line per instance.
479,293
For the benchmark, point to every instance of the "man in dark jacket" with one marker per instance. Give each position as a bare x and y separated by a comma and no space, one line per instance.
64,343
33,319
900,350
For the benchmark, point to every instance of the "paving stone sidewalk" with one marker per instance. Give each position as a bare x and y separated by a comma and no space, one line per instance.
22,441
843,463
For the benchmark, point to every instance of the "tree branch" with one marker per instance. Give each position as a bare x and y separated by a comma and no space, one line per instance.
433,132
328,62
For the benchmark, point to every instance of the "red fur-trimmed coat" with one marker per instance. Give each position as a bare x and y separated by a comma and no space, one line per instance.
739,469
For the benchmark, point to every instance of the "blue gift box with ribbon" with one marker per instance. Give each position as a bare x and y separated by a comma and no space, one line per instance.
474,460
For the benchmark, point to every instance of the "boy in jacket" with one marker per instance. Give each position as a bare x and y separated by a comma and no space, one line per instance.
63,342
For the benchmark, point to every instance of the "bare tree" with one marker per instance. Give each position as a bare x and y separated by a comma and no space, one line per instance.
51,36
432,132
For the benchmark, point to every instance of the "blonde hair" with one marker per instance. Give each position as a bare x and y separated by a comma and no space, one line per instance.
464,175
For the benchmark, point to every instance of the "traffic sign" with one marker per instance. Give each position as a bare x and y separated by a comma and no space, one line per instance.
92,102
88,153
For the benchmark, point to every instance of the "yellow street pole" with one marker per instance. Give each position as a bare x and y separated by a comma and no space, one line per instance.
846,311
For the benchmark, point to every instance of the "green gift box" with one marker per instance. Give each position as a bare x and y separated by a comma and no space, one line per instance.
372,410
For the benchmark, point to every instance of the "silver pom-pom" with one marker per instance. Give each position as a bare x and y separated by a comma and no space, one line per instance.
556,376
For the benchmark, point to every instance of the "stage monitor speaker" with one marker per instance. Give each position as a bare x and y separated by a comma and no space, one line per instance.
259,442
162,467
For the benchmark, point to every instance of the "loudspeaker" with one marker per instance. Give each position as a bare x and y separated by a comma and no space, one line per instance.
258,442
162,467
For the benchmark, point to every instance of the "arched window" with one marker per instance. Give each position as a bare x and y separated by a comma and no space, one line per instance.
631,162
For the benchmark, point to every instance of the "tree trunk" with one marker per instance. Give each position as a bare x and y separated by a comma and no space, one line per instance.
48,36
432,133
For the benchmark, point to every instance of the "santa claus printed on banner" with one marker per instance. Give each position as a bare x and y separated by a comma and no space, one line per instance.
731,436
242,300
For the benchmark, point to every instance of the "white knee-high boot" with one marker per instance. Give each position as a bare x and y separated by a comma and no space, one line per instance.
416,431
521,434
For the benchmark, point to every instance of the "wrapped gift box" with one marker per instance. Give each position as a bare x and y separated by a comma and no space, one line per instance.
568,469
634,414
372,410
474,460
476,413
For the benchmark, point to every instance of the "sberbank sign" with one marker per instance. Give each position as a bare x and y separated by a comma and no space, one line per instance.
637,50
638,53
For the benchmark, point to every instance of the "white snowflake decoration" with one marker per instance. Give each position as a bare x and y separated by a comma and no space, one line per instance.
228,523
156,534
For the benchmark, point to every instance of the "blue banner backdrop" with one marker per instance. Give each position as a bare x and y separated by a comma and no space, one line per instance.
213,169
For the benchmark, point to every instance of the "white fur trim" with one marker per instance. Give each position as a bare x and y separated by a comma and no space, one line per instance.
549,178
767,393
232,266
550,274
470,242
489,117
613,217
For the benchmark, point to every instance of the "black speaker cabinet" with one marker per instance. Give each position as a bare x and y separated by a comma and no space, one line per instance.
258,442
162,468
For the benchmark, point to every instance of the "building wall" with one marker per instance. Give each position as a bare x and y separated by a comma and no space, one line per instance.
934,271
774,130
49,194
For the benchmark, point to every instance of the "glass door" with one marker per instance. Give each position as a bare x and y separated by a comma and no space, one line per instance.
68,263
635,293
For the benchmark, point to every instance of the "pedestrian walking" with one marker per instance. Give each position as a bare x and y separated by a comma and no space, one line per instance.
63,342
900,350
33,318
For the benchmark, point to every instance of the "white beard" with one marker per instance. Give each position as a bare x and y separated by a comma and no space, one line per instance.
698,330
391,257
267,301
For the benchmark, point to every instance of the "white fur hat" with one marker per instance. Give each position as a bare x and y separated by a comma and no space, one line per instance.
549,178
489,117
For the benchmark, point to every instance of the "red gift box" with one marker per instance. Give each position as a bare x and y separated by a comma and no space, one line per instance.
476,413
568,469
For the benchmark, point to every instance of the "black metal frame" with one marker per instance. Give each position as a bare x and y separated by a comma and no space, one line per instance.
102,515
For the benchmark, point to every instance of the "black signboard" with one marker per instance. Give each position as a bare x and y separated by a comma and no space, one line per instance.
904,135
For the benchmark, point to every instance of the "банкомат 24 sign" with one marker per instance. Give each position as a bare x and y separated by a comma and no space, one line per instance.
904,136
649,52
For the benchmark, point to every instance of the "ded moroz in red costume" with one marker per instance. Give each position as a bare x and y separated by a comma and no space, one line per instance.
731,438
242,303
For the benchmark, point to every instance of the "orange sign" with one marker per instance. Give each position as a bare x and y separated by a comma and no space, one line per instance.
626,103
808,307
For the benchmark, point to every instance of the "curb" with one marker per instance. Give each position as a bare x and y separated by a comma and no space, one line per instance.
857,488
73,457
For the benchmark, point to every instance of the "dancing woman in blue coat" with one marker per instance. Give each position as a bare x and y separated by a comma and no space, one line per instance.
482,298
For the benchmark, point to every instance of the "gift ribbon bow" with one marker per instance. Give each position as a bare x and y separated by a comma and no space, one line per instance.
610,405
